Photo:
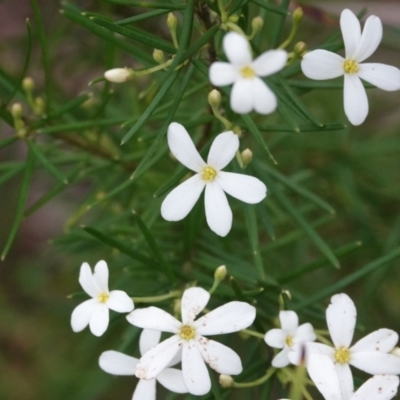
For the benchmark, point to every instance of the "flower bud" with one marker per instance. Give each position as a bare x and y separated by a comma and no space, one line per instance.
28,84
220,273
396,352
119,75
247,157
298,14
172,21
225,381
257,23
158,56
16,110
300,48
214,98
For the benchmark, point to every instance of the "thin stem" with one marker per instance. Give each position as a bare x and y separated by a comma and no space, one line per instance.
156,299
257,382
253,333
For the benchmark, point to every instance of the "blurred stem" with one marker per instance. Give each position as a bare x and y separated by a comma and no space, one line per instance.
156,299
257,382
253,333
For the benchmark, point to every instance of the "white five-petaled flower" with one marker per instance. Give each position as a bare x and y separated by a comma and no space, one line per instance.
117,363
188,338
289,335
208,175
249,91
95,312
324,374
369,354
323,64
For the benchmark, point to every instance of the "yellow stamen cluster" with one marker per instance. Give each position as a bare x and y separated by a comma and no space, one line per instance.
342,355
351,66
187,332
289,341
103,297
247,72
208,174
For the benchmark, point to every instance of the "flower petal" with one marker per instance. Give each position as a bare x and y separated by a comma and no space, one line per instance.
218,212
223,149
156,359
379,387
81,315
322,64
231,317
116,363
145,390
87,281
172,379
193,302
264,99
183,148
242,96
149,338
304,333
182,199
345,379
219,357
222,73
341,318
276,338
119,301
237,49
154,318
355,99
383,76
100,275
382,340
376,363
270,62
370,38
301,350
289,321
243,187
281,360
351,31
323,373
195,374
100,318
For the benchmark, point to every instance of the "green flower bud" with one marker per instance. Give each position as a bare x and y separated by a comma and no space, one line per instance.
225,381
172,21
214,98
158,56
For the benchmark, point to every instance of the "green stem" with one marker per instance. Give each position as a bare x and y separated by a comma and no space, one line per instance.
156,299
253,333
257,382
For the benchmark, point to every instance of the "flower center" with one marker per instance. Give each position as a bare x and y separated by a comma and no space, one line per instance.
289,341
342,355
351,66
247,72
208,174
103,297
187,332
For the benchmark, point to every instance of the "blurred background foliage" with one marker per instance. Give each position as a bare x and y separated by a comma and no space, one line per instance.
334,194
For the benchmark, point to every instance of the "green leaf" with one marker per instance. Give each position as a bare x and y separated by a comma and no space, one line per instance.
280,20
266,220
141,17
301,221
349,279
144,4
5,176
7,141
271,7
118,245
302,128
178,175
137,34
21,202
46,163
68,107
202,41
167,268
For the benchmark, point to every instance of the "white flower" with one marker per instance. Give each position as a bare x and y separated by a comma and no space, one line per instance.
117,363
188,338
208,175
369,354
323,64
94,312
290,335
249,91
324,374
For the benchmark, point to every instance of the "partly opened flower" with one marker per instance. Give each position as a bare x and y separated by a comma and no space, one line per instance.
188,338
249,91
323,64
208,175
94,312
369,354
117,363
289,335
324,375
